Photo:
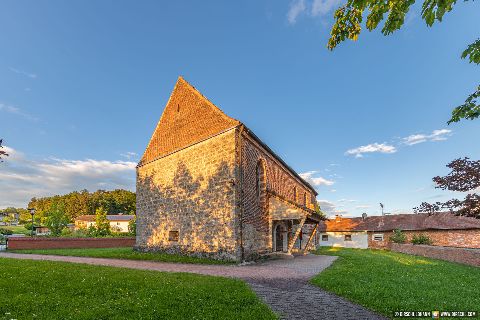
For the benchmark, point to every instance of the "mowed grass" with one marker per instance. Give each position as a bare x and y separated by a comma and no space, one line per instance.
17,229
123,253
58,290
386,281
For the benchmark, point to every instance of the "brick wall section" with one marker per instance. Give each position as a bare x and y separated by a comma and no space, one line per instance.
191,191
68,243
379,244
257,225
445,238
460,255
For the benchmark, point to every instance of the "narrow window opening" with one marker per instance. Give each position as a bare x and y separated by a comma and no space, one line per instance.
173,235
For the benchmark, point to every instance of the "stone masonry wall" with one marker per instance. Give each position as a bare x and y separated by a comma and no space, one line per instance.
445,238
257,225
190,194
460,255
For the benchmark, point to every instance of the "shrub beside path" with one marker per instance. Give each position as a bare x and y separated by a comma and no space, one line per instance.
283,284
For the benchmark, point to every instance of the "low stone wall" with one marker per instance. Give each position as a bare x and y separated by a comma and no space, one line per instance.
68,243
460,255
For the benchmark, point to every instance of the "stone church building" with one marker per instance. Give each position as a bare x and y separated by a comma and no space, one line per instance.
208,186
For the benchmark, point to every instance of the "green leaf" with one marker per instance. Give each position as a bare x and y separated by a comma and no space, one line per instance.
469,110
473,52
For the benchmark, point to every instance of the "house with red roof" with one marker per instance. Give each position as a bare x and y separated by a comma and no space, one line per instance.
443,229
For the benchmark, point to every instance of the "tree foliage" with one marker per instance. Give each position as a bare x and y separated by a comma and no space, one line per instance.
23,215
56,220
79,203
101,222
348,25
464,177
3,153
398,236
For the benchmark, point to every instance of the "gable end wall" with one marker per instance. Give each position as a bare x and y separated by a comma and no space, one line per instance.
191,191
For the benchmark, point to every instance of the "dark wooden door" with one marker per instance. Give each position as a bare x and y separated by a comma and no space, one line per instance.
279,239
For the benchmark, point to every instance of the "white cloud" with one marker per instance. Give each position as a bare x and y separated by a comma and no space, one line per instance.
436,135
346,200
297,7
22,178
363,206
24,73
323,7
315,180
315,8
330,208
129,155
17,111
371,148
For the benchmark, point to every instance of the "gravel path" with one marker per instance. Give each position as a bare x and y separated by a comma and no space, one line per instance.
282,284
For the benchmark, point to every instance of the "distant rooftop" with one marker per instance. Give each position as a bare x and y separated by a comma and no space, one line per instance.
110,217
412,222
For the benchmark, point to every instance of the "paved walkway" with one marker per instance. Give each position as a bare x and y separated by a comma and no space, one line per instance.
282,284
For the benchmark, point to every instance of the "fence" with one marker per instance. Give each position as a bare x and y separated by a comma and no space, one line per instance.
460,255
68,243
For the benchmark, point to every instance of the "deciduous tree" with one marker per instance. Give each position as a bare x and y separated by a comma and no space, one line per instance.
56,220
348,25
464,177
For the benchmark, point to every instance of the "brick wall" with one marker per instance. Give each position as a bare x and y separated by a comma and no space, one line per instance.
68,243
379,244
191,192
460,255
257,225
446,238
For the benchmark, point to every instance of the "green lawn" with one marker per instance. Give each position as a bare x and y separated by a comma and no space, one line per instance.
123,253
57,290
386,281
16,229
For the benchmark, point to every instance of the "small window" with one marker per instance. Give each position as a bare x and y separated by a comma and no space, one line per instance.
295,194
378,237
324,237
305,199
348,237
173,236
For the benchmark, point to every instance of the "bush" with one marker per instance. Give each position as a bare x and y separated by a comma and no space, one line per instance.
3,239
68,233
132,227
421,239
6,232
28,226
398,236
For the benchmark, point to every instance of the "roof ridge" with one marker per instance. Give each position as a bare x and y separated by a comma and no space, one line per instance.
202,96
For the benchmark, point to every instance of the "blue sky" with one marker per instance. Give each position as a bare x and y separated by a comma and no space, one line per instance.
83,84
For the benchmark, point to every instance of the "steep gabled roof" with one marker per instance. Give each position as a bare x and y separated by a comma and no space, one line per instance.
188,117
412,222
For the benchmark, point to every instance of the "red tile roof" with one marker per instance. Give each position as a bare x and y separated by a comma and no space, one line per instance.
437,221
189,118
